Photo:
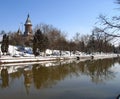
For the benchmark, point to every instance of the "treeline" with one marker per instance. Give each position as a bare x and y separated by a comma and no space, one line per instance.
48,37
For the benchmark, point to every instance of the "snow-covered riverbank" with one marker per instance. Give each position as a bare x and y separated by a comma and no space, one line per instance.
32,59
18,56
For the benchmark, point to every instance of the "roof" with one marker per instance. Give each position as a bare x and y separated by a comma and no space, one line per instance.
19,31
28,21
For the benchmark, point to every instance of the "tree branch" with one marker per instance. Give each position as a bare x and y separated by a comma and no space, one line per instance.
109,24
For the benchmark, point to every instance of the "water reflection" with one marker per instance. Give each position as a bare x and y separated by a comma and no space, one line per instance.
45,76
118,97
28,75
4,77
99,70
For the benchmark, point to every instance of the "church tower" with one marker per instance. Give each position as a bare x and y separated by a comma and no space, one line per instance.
28,27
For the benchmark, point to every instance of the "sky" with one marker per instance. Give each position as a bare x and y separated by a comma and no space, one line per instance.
70,16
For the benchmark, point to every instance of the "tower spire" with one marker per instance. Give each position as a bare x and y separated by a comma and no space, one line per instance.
28,15
28,26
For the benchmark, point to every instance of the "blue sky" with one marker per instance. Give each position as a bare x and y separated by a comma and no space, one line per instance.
70,16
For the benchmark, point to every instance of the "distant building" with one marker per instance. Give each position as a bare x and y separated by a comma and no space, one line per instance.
19,32
26,37
28,27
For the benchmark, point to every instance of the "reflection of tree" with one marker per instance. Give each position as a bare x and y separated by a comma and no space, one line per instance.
43,77
48,76
99,70
5,77
118,59
16,74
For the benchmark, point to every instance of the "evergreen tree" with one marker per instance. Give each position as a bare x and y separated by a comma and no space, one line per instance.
35,46
40,42
5,44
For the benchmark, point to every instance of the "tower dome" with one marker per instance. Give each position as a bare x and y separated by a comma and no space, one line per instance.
28,21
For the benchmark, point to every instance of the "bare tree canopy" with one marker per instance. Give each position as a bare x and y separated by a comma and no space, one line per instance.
117,1
109,26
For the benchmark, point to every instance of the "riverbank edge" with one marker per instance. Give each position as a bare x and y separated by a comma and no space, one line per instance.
10,60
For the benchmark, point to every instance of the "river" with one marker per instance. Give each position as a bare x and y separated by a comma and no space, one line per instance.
91,79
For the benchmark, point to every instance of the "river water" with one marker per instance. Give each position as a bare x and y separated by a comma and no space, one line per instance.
91,79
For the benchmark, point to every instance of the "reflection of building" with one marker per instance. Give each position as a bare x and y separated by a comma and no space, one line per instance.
27,80
16,72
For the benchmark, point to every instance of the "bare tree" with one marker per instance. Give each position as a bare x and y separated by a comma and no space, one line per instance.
109,26
117,1
102,41
55,36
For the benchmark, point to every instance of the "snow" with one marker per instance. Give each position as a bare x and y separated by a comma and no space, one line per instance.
24,58
25,55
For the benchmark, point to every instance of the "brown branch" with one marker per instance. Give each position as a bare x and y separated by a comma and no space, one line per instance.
108,23
113,35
